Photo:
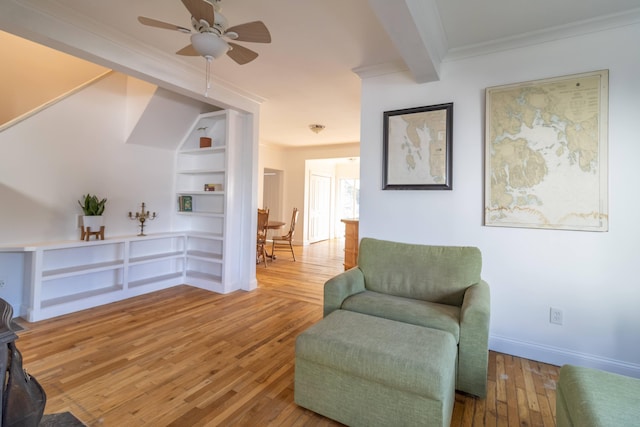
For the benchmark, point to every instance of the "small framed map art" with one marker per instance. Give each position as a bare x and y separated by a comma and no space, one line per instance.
546,153
417,148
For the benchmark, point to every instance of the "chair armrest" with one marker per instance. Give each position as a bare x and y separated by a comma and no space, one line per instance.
476,305
473,355
340,287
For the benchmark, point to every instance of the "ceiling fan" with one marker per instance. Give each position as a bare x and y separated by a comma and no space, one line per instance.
210,34
211,31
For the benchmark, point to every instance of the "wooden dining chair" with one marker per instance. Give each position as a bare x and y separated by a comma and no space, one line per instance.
285,242
261,238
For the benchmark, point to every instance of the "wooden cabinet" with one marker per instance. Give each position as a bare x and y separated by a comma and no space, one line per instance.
351,241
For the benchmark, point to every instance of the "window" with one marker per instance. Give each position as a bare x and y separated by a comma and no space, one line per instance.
349,198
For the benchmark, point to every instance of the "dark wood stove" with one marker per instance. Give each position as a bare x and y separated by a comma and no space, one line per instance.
23,399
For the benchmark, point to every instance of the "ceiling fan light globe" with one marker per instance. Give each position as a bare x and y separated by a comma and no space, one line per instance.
207,44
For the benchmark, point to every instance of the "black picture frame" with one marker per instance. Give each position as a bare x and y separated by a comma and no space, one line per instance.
418,157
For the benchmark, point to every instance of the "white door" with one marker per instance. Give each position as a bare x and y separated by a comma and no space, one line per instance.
319,207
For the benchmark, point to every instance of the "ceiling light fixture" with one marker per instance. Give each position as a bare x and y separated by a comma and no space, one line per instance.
210,47
316,128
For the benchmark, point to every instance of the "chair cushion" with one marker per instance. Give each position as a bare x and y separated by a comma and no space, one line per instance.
438,274
416,312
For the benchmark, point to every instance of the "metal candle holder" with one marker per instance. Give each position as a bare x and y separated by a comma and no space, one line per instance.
142,217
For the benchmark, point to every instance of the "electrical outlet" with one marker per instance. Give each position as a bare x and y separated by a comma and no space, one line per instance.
555,316
2,282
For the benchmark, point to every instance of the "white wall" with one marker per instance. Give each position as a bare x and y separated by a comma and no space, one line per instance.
12,269
77,146
592,277
292,162
33,74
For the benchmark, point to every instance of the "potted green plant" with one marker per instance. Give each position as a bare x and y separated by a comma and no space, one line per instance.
205,141
92,207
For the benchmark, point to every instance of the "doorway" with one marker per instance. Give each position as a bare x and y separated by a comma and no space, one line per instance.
320,201
272,189
332,193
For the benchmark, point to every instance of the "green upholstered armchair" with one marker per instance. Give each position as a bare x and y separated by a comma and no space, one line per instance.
437,287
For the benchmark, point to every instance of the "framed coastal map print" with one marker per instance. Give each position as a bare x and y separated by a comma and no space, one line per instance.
417,148
546,153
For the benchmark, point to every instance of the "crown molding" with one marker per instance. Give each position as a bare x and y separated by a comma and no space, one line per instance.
575,29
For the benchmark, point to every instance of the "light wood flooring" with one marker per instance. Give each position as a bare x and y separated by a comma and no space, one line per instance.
188,357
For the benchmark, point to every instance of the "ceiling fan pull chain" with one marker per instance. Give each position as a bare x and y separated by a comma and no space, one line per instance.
208,71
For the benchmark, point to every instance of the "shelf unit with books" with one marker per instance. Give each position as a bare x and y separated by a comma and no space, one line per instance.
204,208
199,168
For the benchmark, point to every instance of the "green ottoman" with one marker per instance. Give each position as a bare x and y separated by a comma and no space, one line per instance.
590,398
363,370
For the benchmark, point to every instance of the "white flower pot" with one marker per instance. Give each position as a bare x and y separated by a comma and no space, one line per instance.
93,222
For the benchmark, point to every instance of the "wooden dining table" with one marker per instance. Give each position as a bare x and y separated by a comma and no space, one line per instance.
273,225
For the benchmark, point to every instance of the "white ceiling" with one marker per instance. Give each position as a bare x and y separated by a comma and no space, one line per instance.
306,75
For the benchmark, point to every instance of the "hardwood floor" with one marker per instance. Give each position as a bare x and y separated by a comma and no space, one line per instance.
188,357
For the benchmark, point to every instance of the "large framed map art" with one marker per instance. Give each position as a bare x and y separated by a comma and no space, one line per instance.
546,153
417,148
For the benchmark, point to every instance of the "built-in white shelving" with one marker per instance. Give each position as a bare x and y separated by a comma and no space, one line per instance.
64,277
210,243
69,276
197,168
202,250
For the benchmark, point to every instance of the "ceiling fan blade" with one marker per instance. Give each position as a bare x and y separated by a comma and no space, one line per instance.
254,31
241,54
188,51
200,9
159,24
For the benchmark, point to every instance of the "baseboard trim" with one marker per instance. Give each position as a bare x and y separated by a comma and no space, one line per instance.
253,284
560,356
